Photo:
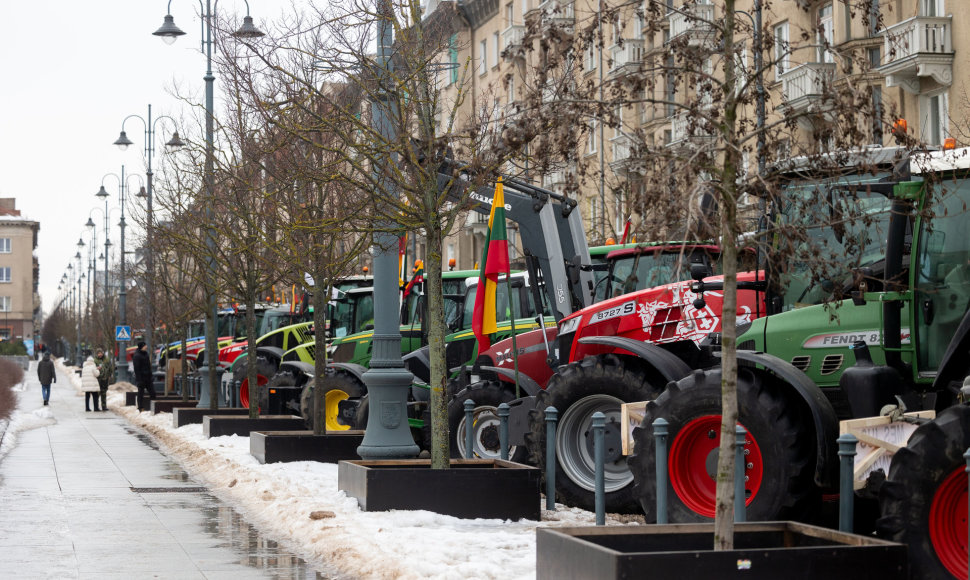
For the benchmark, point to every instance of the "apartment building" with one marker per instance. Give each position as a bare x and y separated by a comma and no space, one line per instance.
897,55
19,272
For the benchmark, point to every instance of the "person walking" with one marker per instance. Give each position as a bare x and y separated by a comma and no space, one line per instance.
106,373
46,375
143,374
89,384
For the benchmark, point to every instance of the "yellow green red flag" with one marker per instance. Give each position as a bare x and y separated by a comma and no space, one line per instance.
495,261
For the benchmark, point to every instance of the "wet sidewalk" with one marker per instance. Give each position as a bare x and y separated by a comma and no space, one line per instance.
91,497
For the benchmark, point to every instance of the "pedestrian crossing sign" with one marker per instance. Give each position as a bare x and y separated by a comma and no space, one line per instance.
122,333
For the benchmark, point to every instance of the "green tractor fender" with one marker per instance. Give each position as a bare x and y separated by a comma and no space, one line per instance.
666,363
824,420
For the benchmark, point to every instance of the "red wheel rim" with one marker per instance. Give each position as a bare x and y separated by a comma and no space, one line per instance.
693,448
244,389
948,523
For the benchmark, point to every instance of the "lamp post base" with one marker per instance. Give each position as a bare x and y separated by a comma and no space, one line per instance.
388,434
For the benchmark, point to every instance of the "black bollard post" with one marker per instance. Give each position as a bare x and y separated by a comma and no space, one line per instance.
503,432
469,428
599,457
552,415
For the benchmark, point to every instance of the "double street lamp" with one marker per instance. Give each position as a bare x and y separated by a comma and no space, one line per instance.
122,364
169,33
149,138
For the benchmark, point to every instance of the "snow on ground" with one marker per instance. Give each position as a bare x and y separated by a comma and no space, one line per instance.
280,498
22,419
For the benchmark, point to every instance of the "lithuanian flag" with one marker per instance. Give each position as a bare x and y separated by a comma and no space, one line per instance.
495,261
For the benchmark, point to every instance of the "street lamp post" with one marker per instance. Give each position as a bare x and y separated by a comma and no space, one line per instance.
122,365
123,142
169,32
387,434
81,307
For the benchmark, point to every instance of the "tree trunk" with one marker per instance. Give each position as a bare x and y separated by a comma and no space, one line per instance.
435,323
725,502
321,300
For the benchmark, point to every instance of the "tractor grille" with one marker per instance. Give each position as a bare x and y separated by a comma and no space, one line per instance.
665,323
831,364
311,350
801,362
746,345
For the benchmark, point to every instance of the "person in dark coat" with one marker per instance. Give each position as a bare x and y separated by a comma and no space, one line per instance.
46,375
143,373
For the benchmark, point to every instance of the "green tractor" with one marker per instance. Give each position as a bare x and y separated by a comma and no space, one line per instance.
906,326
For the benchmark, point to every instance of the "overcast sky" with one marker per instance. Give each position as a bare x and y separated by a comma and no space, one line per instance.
71,72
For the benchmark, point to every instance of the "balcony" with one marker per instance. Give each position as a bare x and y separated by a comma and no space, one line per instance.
805,86
626,57
918,48
685,130
555,180
558,13
623,152
512,40
693,25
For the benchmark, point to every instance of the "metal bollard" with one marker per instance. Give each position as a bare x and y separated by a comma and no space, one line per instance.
552,416
469,427
236,395
847,452
740,498
177,383
660,442
599,457
503,432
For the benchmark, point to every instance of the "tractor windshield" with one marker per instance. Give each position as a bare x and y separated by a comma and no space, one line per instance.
828,236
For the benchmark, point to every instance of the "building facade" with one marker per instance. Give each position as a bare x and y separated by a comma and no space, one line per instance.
19,274
893,62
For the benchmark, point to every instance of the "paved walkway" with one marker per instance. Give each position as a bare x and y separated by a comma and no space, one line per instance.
91,497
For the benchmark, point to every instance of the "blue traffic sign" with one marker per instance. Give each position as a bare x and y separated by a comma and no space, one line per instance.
122,333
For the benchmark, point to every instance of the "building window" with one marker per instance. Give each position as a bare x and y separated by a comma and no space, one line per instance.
825,32
589,57
5,275
495,49
593,136
5,304
483,49
511,90
453,57
4,245
877,115
931,8
510,14
874,14
781,49
934,117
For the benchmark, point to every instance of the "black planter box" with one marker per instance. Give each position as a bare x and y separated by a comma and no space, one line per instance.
216,426
285,446
131,398
186,416
763,551
159,406
472,488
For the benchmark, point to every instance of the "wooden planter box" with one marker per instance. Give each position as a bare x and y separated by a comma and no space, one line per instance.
186,416
167,406
286,446
217,426
472,488
763,551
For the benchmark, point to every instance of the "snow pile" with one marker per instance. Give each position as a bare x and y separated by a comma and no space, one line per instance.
21,420
280,498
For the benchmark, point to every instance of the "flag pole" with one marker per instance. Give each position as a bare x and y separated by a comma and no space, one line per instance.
515,348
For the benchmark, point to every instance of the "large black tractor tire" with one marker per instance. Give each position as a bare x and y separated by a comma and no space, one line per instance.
576,391
338,386
264,371
924,499
486,427
779,449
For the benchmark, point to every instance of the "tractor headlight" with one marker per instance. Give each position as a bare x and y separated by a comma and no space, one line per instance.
569,326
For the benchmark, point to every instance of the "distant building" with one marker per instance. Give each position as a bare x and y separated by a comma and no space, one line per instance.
19,273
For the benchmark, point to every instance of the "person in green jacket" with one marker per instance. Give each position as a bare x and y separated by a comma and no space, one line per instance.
106,373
